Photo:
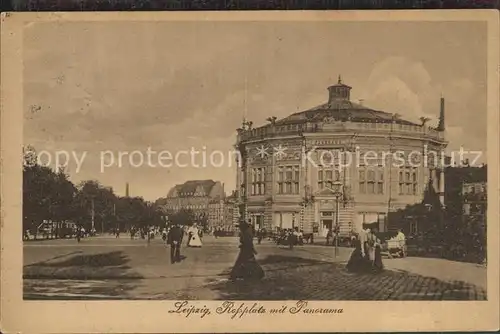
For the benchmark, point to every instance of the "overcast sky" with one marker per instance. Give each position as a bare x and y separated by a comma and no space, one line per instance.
172,86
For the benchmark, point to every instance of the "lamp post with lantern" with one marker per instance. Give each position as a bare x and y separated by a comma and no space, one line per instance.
337,192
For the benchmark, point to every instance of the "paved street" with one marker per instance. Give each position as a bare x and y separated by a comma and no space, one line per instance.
109,268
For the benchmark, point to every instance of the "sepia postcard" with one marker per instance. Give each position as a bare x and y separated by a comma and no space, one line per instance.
318,171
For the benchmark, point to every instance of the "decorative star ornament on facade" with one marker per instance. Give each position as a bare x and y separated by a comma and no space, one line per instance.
262,151
279,151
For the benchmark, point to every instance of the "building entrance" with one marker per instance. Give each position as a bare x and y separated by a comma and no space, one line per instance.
327,221
327,224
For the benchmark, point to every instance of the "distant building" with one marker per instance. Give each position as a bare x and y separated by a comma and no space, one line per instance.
223,213
463,188
194,195
216,212
231,212
474,195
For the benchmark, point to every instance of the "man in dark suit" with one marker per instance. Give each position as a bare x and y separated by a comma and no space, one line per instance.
174,238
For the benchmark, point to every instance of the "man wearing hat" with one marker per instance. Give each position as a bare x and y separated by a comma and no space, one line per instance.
174,238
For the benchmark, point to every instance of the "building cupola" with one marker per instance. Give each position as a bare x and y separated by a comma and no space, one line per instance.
339,92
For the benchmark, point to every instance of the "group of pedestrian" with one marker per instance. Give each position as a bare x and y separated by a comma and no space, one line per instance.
367,254
289,237
365,258
174,236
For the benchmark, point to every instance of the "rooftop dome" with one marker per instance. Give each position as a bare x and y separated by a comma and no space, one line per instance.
340,107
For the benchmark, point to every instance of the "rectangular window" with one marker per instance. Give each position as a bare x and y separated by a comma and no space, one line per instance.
373,183
413,227
258,185
371,188
290,184
409,184
328,176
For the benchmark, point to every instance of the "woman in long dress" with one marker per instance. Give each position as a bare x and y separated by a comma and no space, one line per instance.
367,255
246,266
377,264
359,261
194,237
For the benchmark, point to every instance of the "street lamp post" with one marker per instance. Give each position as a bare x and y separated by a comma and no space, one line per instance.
337,226
338,194
93,213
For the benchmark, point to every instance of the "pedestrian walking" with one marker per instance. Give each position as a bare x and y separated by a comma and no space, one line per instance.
246,266
367,254
174,239
79,234
329,236
194,237
164,234
260,235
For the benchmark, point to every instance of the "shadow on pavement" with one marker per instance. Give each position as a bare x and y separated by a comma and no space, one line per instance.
295,278
110,265
93,260
53,258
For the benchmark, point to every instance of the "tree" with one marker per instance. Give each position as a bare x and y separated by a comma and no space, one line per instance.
94,198
37,201
182,217
47,195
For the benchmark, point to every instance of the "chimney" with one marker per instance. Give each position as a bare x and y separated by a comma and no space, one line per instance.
441,126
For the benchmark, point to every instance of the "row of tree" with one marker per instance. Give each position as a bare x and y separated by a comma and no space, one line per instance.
49,196
461,236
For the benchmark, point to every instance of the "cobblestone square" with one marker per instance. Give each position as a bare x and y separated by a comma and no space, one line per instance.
108,268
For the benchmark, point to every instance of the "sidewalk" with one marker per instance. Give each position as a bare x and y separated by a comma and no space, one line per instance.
441,269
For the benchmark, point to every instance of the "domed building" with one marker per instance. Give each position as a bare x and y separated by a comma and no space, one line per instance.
340,164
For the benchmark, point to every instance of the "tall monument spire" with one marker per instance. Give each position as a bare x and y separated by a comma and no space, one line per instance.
441,125
126,190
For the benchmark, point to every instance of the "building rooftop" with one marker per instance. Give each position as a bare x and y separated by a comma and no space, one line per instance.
339,106
192,188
